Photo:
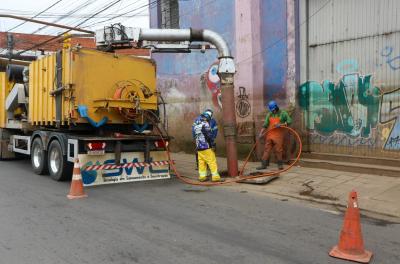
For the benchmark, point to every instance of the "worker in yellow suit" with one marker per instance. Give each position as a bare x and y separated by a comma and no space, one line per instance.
202,133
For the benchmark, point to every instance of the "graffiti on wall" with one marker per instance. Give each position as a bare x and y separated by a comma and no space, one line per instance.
390,113
214,85
391,58
351,106
340,139
243,107
348,113
245,132
347,66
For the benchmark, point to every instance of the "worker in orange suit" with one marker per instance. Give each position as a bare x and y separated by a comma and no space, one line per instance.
275,136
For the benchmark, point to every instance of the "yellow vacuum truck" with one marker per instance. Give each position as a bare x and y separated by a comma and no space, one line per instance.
77,103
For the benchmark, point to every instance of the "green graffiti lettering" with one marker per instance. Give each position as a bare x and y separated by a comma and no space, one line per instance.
350,107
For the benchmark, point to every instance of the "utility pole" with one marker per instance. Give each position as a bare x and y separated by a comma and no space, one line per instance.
10,45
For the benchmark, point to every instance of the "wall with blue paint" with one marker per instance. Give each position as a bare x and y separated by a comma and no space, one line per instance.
183,79
214,15
274,45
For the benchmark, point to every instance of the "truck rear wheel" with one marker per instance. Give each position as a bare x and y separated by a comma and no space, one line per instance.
38,157
59,168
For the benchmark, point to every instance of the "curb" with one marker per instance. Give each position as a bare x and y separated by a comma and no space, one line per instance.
339,206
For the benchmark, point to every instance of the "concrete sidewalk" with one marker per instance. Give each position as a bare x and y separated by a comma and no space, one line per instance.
377,194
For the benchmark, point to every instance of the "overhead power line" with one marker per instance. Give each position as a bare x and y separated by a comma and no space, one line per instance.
74,10
76,16
60,35
72,20
57,14
124,14
41,12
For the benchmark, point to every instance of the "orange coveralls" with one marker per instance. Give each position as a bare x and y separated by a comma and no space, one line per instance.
274,139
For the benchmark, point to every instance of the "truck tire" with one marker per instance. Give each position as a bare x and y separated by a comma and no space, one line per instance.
38,157
59,167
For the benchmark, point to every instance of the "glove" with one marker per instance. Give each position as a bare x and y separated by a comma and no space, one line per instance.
279,125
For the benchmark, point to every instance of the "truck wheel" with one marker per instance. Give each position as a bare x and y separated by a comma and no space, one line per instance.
60,169
38,157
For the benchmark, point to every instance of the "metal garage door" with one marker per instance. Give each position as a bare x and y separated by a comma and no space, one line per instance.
350,76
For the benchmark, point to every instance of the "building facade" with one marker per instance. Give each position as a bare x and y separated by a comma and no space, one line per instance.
333,64
265,64
349,93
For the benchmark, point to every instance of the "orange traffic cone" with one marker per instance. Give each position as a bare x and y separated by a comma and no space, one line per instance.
351,244
76,190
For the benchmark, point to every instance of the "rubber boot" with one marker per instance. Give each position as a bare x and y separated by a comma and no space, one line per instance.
280,165
264,165
216,178
203,178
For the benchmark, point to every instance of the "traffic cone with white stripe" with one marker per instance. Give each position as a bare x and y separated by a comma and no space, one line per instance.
76,190
351,243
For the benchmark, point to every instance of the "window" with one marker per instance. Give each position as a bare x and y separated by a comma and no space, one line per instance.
168,14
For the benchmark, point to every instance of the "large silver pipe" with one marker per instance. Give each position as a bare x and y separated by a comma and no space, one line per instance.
226,71
218,41
154,34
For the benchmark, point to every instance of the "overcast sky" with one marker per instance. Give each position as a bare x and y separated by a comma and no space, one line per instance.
132,13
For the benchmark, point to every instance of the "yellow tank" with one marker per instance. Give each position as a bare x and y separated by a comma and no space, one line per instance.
5,87
113,87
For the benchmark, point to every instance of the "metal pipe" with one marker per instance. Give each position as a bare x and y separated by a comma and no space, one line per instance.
155,34
46,23
229,116
226,71
218,41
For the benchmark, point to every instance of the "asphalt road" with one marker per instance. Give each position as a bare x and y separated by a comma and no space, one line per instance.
166,222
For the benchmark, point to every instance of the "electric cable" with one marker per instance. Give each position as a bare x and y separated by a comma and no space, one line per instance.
60,35
72,21
41,12
124,14
77,16
72,11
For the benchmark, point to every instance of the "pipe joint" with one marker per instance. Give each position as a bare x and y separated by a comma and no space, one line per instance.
226,65
196,34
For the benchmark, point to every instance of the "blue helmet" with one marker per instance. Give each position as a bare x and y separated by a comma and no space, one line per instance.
272,105
209,112
207,115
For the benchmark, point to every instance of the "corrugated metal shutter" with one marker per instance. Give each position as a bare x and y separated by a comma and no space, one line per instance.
350,87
